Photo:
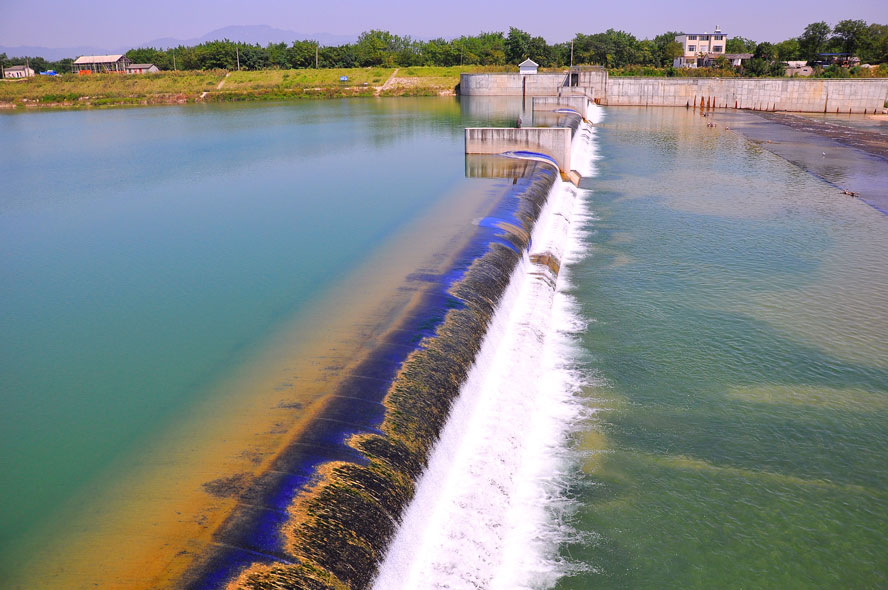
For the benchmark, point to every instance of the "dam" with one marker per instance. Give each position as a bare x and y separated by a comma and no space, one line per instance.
862,96
445,369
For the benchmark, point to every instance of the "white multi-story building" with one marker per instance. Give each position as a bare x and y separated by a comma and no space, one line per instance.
700,48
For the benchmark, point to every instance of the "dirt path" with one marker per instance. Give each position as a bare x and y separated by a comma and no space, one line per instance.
388,83
219,86
222,83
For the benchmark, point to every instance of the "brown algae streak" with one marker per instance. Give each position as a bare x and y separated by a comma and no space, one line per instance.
339,527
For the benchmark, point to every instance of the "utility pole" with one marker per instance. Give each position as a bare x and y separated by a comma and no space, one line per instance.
237,51
317,50
175,69
571,55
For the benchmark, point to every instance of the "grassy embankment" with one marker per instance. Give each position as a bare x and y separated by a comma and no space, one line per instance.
72,91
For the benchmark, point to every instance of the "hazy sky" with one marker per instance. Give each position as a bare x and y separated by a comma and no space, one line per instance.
64,23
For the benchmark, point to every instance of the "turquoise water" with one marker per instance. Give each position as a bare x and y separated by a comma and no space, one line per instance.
738,335
148,253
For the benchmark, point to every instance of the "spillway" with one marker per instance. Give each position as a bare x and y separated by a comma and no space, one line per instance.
487,511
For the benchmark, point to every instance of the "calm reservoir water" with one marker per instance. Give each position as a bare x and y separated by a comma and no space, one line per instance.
149,255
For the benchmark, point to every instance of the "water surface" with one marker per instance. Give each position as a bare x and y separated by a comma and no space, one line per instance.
738,314
178,283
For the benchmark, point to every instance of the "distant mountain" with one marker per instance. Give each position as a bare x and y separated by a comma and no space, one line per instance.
53,53
261,34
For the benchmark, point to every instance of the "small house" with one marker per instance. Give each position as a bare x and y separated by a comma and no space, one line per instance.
141,69
18,72
528,66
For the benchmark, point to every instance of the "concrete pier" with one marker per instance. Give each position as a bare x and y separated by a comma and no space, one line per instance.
580,104
552,141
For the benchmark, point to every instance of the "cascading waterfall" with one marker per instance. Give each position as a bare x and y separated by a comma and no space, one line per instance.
487,511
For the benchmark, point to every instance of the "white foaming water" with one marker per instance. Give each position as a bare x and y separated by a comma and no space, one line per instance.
488,510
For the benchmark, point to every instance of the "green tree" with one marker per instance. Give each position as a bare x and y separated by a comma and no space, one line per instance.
788,50
667,48
278,55
851,36
517,46
301,54
539,51
151,55
878,50
740,45
813,40
375,48
765,51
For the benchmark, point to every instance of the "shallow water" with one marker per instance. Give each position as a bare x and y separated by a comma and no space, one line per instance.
738,314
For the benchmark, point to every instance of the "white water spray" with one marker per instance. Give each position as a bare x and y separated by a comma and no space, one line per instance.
487,511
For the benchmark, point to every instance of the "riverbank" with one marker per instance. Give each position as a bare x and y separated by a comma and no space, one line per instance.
72,91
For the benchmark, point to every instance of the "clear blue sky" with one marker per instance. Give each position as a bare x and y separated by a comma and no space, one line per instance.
64,23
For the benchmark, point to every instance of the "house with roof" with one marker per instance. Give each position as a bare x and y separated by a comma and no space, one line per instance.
18,72
141,69
700,48
100,64
528,66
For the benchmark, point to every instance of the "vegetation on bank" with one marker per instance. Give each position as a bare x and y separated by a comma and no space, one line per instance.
75,91
611,48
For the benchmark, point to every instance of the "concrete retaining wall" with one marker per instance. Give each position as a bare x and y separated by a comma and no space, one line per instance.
511,84
788,94
807,95
552,141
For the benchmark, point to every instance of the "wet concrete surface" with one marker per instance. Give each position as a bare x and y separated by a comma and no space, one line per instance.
853,159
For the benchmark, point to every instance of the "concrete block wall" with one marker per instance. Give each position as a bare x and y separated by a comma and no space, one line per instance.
552,141
511,84
790,94
787,94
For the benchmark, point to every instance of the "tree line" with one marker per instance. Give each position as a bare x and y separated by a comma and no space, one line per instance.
612,48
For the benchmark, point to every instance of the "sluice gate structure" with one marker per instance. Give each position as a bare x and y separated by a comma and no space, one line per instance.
548,143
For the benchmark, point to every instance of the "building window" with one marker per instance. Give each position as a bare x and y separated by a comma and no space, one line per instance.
704,37
717,48
692,48
692,37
